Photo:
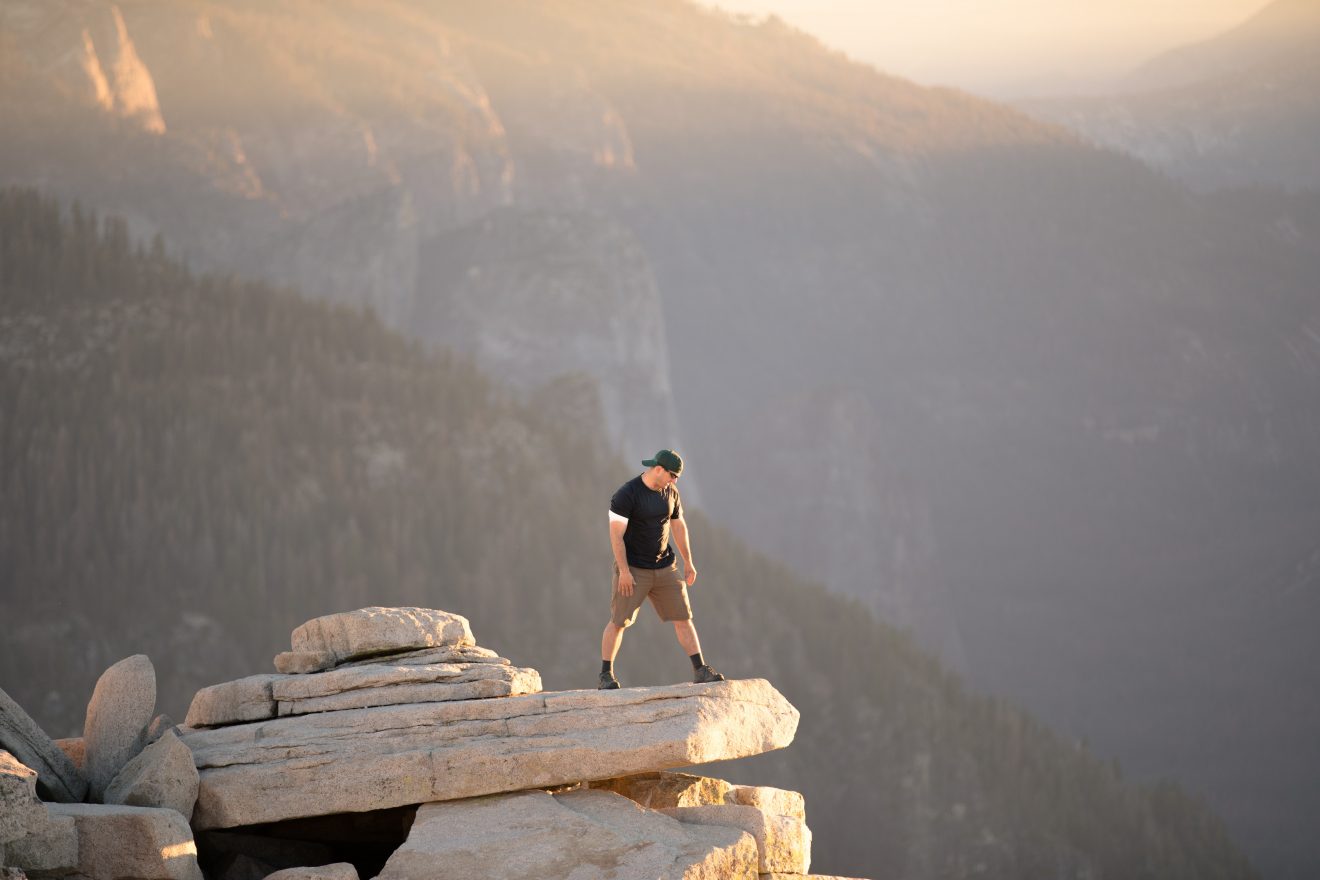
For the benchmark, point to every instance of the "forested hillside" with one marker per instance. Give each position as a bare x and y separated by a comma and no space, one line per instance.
192,466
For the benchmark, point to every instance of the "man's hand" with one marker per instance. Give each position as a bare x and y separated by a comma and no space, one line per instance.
691,573
625,582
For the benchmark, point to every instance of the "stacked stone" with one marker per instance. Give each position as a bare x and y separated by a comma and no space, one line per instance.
140,778
367,658
390,715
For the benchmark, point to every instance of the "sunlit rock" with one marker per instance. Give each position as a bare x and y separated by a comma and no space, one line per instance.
783,843
387,685
370,759
244,699
584,834
367,631
117,842
121,707
162,775
57,778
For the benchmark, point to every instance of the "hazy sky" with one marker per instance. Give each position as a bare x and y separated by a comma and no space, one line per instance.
1005,46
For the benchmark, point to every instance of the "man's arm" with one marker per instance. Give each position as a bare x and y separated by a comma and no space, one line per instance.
679,527
619,525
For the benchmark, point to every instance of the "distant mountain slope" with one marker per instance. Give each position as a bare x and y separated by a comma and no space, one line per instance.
191,464
1242,109
1280,29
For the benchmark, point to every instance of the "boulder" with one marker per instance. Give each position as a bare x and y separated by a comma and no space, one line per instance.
29,838
121,707
11,873
666,789
21,812
118,842
57,778
584,834
783,843
162,775
74,748
370,631
246,699
370,759
337,871
359,687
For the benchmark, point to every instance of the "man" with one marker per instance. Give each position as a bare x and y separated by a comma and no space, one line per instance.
642,513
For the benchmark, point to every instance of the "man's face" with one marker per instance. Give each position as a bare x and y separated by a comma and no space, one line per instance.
664,478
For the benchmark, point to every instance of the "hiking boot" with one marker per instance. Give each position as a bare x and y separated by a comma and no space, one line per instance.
607,682
706,674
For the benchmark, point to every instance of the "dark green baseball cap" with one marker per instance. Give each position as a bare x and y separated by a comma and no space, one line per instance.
667,459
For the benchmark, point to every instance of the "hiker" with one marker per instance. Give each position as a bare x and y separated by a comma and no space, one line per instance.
642,513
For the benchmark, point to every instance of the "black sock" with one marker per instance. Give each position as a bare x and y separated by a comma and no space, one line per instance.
607,666
697,662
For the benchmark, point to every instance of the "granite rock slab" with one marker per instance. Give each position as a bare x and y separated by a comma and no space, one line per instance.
369,631
375,684
233,702
370,759
122,706
307,662
586,835
57,778
52,850
117,842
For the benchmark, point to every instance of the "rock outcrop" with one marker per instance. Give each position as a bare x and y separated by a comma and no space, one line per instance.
583,834
57,778
371,631
29,837
372,759
162,775
118,842
122,706
402,743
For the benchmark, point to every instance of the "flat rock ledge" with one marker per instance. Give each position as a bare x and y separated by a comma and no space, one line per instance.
383,683
377,758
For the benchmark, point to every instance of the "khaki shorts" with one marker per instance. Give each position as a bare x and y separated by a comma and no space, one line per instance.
663,586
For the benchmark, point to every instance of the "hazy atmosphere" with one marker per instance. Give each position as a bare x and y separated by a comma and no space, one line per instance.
998,407
1009,47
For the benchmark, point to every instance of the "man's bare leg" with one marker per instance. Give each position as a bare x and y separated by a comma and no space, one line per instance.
610,641
687,637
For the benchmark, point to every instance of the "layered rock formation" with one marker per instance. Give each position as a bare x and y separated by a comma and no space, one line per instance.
392,745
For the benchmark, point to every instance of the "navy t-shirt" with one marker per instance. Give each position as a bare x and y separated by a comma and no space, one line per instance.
646,540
